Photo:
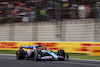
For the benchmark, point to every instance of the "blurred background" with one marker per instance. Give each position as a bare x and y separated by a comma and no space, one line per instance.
50,20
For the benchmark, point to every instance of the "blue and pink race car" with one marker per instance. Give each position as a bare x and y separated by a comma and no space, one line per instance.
40,53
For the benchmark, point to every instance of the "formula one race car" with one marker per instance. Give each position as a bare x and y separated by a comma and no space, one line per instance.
40,53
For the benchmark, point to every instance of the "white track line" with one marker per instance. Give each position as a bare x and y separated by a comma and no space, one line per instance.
95,65
7,55
6,58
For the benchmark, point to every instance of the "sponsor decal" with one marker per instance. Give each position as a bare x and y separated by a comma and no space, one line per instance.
84,47
53,48
47,44
8,45
90,44
96,50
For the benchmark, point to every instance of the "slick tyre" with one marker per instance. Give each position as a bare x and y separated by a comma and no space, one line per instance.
61,53
20,54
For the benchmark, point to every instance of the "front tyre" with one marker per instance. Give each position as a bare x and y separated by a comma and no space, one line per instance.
20,54
61,53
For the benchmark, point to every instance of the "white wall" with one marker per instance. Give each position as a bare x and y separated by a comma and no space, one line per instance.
80,30
47,32
4,32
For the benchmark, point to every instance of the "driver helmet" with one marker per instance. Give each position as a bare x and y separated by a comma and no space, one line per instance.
44,48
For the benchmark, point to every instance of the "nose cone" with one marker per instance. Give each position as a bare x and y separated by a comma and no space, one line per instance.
54,55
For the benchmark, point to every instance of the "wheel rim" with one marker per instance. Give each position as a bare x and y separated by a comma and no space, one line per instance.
35,55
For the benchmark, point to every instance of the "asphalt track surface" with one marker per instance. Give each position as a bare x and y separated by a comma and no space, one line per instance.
11,61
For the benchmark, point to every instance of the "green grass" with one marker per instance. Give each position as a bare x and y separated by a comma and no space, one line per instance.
7,51
83,56
71,55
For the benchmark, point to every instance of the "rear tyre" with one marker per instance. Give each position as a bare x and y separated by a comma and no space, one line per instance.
20,54
61,53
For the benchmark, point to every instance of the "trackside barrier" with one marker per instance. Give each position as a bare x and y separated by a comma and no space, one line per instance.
69,47
94,51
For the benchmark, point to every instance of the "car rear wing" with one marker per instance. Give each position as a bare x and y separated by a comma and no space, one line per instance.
27,47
